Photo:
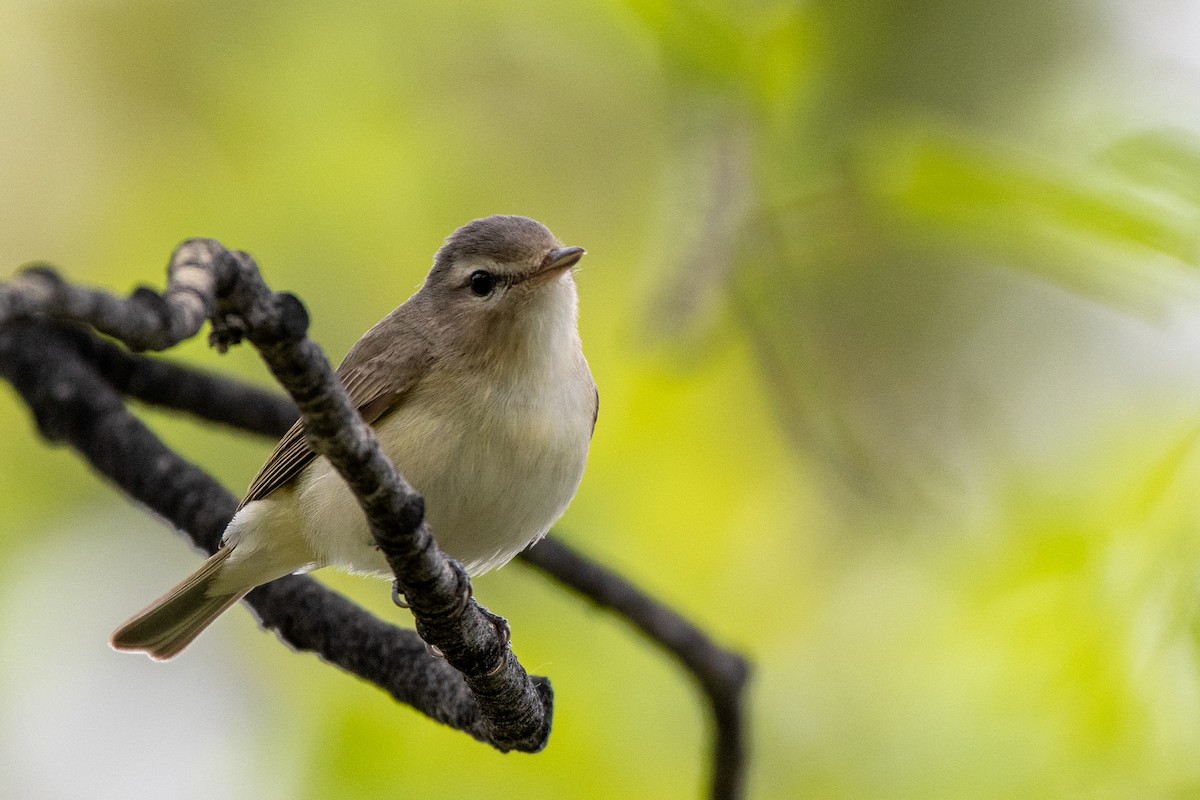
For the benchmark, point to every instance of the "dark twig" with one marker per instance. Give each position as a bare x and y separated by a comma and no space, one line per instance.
721,674
166,385
144,321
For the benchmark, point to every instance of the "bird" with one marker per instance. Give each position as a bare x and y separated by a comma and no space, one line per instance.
477,390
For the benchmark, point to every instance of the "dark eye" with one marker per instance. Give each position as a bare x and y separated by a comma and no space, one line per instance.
482,282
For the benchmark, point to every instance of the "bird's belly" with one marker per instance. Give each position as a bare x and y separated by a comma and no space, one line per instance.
490,487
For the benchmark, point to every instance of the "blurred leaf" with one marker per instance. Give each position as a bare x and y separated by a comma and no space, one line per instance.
700,40
1166,160
996,197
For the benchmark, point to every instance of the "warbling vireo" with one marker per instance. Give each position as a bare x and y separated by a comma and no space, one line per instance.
478,391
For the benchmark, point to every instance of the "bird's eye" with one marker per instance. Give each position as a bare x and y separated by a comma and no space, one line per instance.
482,282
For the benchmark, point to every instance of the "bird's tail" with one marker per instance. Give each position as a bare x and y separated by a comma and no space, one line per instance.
171,622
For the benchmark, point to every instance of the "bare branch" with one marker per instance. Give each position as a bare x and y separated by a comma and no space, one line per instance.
722,674
144,321
162,383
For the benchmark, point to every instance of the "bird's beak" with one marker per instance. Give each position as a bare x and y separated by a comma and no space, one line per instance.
560,259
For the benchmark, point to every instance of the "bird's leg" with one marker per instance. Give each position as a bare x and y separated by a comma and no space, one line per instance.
466,593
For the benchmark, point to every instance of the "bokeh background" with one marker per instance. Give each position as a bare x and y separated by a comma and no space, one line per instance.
893,308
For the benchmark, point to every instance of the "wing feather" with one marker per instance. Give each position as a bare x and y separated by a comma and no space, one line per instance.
375,386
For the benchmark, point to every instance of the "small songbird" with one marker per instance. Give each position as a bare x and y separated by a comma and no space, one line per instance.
478,391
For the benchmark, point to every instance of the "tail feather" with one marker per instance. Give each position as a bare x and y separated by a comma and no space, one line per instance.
168,625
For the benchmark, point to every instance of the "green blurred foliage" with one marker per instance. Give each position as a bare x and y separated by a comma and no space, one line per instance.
895,345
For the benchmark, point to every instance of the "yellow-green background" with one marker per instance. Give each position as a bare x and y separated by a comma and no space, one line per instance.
893,310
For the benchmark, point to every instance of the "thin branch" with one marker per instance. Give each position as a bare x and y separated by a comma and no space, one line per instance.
721,674
164,384
144,321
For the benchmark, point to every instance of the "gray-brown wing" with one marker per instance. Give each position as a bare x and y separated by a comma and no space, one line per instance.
286,460
375,386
